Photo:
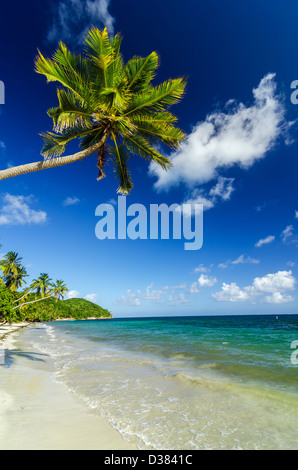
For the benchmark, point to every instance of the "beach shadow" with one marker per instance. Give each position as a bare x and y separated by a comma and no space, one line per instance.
8,356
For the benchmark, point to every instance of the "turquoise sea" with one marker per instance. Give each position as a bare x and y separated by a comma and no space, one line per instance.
216,382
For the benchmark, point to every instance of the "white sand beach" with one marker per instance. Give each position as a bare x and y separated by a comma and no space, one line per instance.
37,413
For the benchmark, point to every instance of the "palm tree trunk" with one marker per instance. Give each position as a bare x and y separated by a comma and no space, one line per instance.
53,162
21,297
32,302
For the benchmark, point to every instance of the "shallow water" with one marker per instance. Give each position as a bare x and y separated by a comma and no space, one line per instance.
183,382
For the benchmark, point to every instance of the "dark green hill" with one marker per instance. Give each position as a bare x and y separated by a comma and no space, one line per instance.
78,309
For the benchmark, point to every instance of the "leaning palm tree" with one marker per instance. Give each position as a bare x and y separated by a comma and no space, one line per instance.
112,107
43,287
59,289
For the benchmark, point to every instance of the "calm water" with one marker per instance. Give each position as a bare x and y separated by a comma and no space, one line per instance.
183,382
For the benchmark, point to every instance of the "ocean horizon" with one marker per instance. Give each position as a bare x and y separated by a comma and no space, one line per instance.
183,382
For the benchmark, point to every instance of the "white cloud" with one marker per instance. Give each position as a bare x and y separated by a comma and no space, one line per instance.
275,284
238,135
194,288
91,297
177,299
152,294
265,241
16,210
131,299
288,235
72,294
205,281
222,265
291,264
203,269
112,201
278,298
261,207
165,294
221,191
240,260
71,201
179,286
231,293
73,18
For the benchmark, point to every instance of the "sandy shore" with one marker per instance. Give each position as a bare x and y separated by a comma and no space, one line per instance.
6,329
37,413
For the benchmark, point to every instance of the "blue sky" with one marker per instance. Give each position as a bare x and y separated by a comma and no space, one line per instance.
240,158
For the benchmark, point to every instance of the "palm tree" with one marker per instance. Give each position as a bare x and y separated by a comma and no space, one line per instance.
10,262
59,289
13,272
42,285
112,107
13,282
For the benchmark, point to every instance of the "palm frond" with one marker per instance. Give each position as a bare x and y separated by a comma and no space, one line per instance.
54,144
67,69
159,131
140,71
159,99
125,126
140,146
115,72
100,53
76,67
70,111
91,138
116,43
106,69
164,117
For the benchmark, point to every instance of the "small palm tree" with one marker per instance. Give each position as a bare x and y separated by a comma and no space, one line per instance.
112,107
10,263
13,271
13,282
59,289
42,285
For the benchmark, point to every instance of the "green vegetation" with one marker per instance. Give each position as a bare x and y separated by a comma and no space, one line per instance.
6,305
79,309
42,300
113,108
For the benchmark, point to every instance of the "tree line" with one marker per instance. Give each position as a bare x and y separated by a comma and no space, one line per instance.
15,302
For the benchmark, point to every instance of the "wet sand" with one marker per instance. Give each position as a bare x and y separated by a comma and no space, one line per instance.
37,413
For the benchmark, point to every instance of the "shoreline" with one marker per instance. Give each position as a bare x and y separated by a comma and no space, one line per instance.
82,319
37,413
6,329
